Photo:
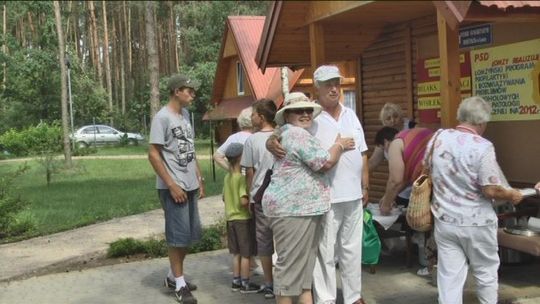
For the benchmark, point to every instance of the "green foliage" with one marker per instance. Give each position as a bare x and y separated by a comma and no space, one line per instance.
43,138
125,247
11,205
212,238
128,246
84,151
124,141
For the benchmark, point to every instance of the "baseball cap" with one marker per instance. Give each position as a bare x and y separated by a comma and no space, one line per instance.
179,81
234,150
326,72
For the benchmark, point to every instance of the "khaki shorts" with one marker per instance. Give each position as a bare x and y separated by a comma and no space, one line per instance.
241,238
263,232
297,240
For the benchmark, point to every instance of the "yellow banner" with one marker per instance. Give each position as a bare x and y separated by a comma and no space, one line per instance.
434,87
508,76
434,102
436,62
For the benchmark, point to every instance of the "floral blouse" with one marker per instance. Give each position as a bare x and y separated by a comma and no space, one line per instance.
296,188
463,162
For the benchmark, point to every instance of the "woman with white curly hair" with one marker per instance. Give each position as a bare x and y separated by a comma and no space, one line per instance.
466,179
244,123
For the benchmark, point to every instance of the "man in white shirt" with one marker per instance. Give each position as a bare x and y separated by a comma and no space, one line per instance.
349,179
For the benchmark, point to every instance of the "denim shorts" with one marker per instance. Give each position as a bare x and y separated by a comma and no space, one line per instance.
182,222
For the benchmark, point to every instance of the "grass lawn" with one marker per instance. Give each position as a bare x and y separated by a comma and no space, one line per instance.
97,190
202,147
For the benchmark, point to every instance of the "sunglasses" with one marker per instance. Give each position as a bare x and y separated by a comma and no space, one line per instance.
301,111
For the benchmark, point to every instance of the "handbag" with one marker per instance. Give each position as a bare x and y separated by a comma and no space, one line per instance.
371,243
419,215
257,198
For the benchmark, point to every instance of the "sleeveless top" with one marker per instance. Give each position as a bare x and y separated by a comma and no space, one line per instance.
414,147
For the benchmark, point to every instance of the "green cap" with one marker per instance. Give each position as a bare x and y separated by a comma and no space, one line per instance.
181,81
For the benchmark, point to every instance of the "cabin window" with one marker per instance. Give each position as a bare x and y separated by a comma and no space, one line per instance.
239,78
349,99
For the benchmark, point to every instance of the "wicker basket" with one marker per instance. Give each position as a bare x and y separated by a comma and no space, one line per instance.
419,215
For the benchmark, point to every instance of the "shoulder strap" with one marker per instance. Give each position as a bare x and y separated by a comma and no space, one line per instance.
430,156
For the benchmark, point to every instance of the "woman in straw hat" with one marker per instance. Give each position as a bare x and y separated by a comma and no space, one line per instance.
297,197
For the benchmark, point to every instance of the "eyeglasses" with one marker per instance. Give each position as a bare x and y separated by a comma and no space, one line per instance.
301,111
189,91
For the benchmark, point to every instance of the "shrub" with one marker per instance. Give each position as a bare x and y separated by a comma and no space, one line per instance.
43,138
212,239
125,247
124,141
11,206
80,151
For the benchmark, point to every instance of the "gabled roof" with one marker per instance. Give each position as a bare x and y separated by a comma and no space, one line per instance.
246,33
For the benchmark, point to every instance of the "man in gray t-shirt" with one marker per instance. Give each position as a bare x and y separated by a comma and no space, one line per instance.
179,182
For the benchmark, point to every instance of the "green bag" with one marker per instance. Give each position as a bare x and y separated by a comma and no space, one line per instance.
371,244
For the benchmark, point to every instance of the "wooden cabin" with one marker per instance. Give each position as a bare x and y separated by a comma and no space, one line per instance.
239,82
424,56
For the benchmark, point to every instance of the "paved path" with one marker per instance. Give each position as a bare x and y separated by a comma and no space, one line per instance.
31,256
141,282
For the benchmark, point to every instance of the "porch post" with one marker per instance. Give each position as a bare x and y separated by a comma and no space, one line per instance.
316,47
450,71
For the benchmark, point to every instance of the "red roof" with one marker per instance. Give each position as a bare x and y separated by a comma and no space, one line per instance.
247,32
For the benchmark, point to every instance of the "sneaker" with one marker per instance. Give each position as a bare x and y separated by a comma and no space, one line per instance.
257,271
236,286
184,296
250,288
423,272
172,284
267,291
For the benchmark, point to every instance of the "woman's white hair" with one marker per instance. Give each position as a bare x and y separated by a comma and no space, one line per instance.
388,110
244,118
474,110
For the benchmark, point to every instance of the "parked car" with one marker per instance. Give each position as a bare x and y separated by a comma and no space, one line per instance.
103,135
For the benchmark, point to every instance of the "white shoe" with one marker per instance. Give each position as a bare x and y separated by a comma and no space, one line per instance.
257,271
423,272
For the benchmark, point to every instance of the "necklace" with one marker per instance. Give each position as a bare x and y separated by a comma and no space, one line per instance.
466,129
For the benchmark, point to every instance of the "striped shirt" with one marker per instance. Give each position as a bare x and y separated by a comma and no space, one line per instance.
414,147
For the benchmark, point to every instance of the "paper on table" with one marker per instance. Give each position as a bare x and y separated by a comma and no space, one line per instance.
385,220
526,192
534,224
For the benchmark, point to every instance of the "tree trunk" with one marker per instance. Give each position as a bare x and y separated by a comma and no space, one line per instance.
153,60
130,52
106,59
76,32
121,45
63,75
173,43
4,47
95,38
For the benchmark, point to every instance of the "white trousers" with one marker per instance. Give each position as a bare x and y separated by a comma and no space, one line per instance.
341,226
461,247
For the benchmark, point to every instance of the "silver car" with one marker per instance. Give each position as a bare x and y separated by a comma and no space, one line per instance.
103,135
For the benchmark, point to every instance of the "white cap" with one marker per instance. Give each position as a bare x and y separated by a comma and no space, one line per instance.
326,72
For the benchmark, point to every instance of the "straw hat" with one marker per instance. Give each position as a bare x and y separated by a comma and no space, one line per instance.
296,100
